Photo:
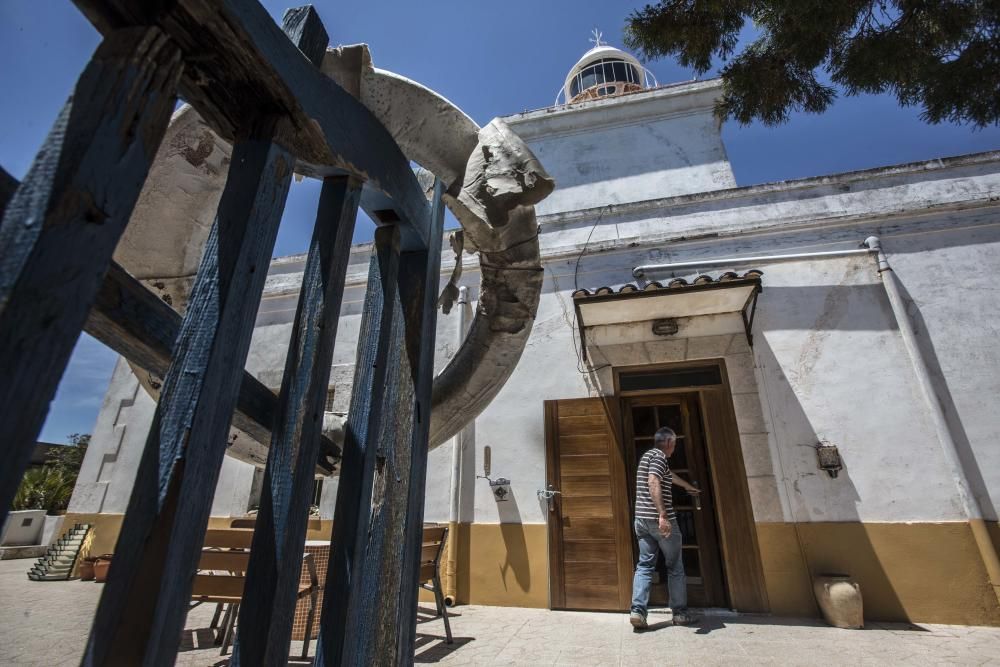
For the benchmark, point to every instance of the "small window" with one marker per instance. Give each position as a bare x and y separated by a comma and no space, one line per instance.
619,70
701,376
26,522
330,393
607,90
317,494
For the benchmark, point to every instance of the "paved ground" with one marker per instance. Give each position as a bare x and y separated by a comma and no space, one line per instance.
46,623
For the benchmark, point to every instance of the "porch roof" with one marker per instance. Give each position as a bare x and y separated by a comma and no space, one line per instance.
662,303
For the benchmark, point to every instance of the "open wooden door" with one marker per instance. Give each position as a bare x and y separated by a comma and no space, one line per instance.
590,540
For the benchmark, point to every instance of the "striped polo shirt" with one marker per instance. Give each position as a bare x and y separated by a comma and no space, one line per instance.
653,462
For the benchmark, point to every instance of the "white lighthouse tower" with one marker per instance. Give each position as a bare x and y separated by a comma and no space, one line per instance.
620,137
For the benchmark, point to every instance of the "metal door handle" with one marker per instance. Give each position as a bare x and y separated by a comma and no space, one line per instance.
548,494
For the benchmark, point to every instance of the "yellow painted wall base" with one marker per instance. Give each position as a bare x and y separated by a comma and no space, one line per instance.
505,565
920,572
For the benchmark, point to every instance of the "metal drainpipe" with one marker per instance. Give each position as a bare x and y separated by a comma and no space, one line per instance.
450,582
641,270
970,503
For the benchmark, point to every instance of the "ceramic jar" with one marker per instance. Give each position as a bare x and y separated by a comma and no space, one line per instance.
839,598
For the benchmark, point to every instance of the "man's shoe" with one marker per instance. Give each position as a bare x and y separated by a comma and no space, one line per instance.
638,620
684,618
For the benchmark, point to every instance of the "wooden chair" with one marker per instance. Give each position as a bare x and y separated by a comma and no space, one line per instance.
430,560
221,577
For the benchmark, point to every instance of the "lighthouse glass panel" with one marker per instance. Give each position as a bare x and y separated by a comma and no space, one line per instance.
604,71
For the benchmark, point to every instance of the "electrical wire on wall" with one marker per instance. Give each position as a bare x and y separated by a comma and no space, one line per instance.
577,343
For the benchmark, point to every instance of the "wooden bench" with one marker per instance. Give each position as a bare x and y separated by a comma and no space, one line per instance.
221,577
430,560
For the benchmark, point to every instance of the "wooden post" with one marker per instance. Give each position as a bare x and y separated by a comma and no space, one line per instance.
8,185
380,599
142,610
420,277
63,223
269,598
365,424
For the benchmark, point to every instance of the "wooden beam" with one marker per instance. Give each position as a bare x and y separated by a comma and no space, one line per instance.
419,286
371,621
370,410
138,325
8,185
62,225
380,627
268,608
380,617
142,610
237,59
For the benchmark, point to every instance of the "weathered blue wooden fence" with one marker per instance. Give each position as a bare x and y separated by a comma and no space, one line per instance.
259,87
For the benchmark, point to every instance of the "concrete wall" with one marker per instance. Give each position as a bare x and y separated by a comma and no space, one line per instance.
107,475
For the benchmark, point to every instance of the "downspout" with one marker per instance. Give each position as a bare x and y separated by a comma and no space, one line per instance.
971,504
450,581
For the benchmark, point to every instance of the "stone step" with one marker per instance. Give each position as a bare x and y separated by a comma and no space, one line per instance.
54,556
47,577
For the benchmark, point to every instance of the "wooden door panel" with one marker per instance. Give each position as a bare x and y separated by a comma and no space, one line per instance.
600,597
581,407
586,507
582,425
591,464
589,551
586,558
575,445
592,573
575,528
586,485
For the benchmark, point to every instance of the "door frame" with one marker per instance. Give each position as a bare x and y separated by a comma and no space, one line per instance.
743,572
689,403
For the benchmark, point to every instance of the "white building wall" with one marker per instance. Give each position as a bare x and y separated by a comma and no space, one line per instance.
659,143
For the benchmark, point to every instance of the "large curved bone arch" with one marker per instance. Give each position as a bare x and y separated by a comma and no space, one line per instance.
492,179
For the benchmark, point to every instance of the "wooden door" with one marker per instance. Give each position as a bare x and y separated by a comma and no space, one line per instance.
697,520
590,550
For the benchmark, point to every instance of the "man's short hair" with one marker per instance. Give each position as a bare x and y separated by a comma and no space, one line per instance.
663,434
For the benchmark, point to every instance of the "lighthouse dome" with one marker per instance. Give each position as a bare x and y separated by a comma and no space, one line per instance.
603,71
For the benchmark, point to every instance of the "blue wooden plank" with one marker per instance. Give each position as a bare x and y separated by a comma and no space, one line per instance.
62,225
421,295
142,610
379,614
8,185
268,607
368,411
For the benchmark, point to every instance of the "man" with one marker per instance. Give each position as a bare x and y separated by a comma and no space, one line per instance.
656,529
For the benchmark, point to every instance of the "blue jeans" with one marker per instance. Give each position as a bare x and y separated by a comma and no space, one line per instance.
647,531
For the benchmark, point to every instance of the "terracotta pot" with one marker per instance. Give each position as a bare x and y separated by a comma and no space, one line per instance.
840,600
101,567
87,568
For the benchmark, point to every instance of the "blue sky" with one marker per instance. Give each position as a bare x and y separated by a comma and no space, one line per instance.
490,59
